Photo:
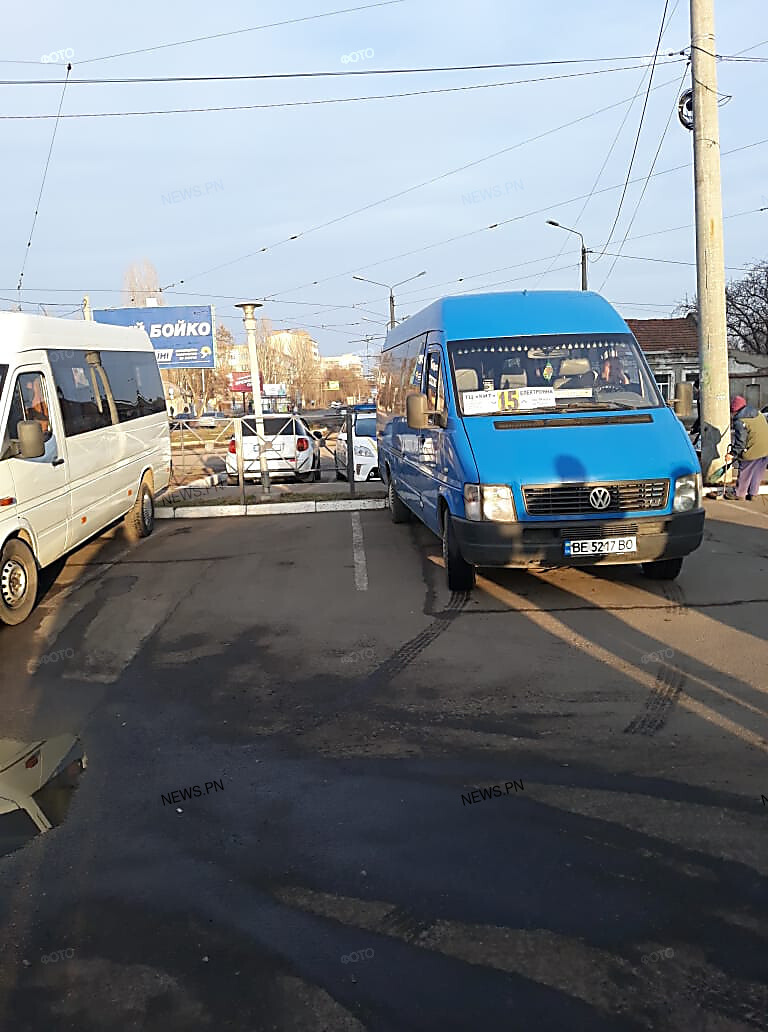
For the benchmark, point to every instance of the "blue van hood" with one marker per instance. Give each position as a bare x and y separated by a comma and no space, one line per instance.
596,450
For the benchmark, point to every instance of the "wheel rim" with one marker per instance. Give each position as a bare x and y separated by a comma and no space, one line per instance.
13,583
146,508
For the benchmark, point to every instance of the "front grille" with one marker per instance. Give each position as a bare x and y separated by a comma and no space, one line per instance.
574,499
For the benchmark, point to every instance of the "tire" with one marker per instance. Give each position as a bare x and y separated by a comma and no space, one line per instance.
398,509
663,569
461,574
140,520
18,582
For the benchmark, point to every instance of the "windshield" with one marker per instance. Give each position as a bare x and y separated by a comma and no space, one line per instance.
563,373
365,426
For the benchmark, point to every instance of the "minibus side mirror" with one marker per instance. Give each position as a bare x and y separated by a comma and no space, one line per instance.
416,411
31,440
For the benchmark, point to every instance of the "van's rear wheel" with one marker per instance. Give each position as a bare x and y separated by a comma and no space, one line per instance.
18,582
140,519
461,574
663,569
398,509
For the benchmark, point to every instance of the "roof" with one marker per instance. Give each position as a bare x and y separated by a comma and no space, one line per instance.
22,332
512,313
678,335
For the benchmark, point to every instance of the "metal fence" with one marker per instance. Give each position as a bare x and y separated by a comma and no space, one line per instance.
208,455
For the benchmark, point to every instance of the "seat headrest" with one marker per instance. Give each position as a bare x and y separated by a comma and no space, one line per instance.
466,380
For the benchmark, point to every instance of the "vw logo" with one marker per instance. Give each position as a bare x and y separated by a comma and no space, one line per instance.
599,497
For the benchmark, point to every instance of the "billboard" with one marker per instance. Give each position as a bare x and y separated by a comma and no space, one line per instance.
182,336
275,390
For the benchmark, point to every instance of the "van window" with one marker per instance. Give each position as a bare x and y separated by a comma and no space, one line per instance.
401,374
135,383
81,394
29,401
435,383
558,372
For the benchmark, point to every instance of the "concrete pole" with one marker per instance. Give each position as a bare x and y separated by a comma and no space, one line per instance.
710,256
391,310
87,312
583,265
249,319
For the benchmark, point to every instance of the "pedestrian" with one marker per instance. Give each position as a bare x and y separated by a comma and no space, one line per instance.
749,444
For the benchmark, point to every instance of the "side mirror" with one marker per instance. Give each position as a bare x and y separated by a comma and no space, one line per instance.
416,412
31,440
317,434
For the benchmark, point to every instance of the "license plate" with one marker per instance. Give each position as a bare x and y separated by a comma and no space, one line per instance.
601,546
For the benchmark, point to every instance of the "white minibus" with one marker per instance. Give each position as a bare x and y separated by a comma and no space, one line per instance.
85,442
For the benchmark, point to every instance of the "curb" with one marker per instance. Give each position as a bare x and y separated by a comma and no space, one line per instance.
266,509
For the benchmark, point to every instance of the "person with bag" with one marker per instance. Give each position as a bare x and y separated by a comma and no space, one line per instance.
749,444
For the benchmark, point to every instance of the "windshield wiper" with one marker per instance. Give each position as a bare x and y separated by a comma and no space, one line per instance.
594,407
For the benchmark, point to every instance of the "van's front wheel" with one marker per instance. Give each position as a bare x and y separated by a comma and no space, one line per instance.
663,569
18,582
140,520
398,509
461,574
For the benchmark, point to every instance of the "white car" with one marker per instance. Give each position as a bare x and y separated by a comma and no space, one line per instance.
292,449
365,447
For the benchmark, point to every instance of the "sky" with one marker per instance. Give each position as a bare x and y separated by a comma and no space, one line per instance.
380,188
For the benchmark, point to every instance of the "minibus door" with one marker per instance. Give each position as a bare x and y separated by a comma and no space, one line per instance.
41,485
431,439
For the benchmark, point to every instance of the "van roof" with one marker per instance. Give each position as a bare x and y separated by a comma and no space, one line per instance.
20,332
513,313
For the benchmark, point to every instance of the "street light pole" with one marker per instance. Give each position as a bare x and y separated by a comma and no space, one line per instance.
584,252
248,308
391,292
710,259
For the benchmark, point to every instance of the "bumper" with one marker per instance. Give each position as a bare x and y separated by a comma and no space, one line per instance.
276,467
532,544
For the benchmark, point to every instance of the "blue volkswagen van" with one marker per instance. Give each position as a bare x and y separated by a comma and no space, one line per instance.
526,429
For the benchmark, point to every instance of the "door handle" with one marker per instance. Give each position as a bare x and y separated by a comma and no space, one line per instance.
58,462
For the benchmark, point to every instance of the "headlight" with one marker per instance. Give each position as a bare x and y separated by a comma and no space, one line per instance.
687,493
472,502
498,503
364,451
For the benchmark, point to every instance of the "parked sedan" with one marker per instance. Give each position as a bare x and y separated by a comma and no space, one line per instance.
183,419
292,449
210,420
365,448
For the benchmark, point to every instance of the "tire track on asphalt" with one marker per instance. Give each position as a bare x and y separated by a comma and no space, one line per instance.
660,702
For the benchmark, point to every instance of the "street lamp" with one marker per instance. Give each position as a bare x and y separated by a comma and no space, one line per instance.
584,252
390,289
249,307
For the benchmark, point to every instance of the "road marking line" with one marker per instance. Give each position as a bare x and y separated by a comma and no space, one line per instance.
358,551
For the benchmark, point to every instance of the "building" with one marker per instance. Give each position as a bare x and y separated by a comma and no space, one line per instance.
350,361
672,349
749,376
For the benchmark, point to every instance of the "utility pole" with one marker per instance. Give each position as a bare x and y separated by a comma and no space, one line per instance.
249,319
710,256
391,289
584,251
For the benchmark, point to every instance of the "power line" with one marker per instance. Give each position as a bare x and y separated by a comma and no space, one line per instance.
639,128
327,100
42,186
407,190
322,75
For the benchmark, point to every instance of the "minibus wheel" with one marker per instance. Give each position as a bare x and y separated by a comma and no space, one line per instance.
140,519
663,569
399,510
18,582
461,574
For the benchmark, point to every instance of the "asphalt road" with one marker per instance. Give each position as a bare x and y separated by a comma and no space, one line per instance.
317,668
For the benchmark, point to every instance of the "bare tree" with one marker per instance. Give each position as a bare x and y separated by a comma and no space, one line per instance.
140,281
746,301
